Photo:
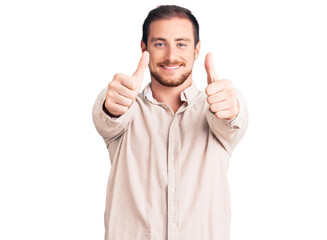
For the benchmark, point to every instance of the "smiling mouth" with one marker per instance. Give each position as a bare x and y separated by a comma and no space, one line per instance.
171,67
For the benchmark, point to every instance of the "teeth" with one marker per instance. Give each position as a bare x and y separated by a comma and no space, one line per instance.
173,67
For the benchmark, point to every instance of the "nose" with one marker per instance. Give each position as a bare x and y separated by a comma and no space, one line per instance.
170,53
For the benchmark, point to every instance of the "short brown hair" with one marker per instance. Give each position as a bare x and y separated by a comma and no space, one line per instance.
169,11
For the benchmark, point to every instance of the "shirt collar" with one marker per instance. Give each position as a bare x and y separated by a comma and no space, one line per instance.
186,96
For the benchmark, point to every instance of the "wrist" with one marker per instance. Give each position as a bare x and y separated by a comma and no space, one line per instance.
107,111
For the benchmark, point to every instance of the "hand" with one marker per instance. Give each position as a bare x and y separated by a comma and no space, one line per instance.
123,89
221,94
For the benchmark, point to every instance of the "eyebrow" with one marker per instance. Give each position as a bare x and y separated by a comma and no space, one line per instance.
157,39
164,40
183,39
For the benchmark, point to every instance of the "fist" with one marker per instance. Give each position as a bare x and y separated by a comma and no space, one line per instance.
221,94
123,89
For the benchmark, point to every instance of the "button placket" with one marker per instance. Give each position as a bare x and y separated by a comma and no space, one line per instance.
172,211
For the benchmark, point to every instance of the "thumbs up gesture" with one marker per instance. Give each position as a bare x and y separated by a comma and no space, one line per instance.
123,89
221,94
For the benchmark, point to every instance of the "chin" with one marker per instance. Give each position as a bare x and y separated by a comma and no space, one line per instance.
173,82
170,83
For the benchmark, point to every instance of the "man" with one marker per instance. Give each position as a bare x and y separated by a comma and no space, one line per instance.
170,145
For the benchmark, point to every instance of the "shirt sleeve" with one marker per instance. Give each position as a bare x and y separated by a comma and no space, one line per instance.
110,128
229,132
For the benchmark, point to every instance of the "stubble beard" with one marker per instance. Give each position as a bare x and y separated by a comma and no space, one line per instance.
173,83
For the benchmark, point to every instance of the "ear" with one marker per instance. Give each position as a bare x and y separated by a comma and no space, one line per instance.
143,46
197,50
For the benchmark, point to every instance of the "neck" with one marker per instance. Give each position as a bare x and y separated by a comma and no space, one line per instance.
169,95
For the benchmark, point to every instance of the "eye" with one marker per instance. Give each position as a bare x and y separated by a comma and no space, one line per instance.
159,44
181,45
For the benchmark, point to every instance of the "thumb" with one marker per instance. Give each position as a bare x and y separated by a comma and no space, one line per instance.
211,72
143,64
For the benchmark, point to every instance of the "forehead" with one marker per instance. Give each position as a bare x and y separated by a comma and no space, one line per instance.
172,27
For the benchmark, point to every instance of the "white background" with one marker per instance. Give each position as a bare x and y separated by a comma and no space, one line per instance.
56,56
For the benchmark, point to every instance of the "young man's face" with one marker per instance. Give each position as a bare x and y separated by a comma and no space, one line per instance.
172,52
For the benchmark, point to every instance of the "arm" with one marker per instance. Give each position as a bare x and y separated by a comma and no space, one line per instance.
229,132
115,106
227,114
110,127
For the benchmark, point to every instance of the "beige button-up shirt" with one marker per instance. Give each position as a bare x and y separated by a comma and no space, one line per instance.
168,177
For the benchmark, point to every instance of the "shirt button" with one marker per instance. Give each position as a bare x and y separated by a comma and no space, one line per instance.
172,159
173,189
